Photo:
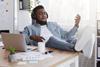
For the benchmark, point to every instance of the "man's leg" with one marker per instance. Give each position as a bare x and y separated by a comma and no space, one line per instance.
56,43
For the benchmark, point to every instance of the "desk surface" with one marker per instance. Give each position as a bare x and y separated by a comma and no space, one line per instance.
58,57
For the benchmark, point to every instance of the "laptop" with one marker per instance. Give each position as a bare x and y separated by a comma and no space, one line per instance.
16,41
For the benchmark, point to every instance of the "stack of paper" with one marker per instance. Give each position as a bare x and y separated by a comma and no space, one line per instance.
1,44
30,56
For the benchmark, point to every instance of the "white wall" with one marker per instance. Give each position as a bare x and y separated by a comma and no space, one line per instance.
45,3
24,19
98,10
63,12
15,19
98,5
7,15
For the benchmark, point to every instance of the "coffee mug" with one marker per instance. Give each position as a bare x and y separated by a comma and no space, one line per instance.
41,47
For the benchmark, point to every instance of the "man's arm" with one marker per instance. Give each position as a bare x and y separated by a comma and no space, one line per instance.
68,35
26,33
72,32
30,35
77,20
37,38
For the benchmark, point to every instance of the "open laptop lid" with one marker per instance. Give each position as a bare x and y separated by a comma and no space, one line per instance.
14,40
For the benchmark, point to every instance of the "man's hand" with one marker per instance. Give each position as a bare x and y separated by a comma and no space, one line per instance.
77,20
37,38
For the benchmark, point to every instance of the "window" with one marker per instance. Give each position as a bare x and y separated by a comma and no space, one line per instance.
27,4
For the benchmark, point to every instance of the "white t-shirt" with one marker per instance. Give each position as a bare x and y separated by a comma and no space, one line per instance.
45,33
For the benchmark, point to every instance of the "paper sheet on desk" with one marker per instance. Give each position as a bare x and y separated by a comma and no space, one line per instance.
1,44
31,56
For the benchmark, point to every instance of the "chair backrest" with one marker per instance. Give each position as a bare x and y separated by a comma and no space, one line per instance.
82,40
88,50
86,42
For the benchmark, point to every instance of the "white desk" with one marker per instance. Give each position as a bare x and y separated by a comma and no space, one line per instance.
59,59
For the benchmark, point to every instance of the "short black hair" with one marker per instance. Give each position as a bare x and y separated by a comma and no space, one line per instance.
35,10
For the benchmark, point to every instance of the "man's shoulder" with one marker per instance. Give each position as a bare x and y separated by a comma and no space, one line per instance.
51,23
29,26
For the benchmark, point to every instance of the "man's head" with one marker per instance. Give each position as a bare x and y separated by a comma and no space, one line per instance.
40,15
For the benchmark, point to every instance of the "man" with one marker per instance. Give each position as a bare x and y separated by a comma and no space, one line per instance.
54,36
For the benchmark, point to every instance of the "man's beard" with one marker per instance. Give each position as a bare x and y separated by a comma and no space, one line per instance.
41,22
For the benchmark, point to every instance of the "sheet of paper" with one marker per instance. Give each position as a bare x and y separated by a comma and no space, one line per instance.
45,56
31,57
1,44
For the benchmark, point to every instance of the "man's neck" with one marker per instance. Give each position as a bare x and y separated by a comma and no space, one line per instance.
42,22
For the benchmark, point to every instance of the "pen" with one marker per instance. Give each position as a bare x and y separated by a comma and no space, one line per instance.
48,52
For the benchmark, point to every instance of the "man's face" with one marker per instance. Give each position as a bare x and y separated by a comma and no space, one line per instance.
41,16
